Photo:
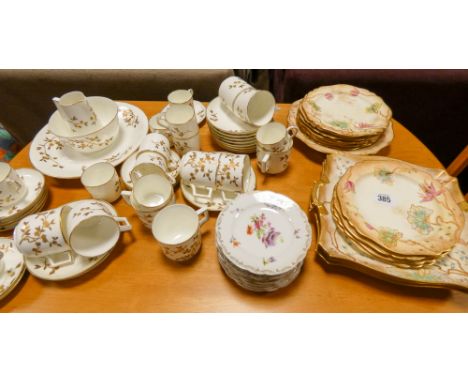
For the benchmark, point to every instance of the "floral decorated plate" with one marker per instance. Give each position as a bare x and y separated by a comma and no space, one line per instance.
50,157
223,120
129,163
347,110
385,139
217,203
264,233
11,268
400,208
41,268
449,271
200,111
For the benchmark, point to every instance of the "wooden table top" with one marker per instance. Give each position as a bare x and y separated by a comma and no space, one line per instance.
136,277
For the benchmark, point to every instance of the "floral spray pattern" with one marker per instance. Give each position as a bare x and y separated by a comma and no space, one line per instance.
264,231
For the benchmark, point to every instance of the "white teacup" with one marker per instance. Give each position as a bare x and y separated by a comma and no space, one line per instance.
155,127
180,120
12,187
233,173
273,162
75,109
185,145
151,157
42,235
275,137
181,97
157,143
147,215
255,106
177,230
91,229
230,88
102,181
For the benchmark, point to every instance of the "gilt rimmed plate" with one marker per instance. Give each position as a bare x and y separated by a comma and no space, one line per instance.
50,157
217,203
200,111
41,268
264,232
13,269
127,166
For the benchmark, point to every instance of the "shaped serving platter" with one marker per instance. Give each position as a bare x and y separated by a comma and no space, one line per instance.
200,110
449,271
14,267
347,110
41,268
264,233
127,166
382,142
50,157
222,119
217,203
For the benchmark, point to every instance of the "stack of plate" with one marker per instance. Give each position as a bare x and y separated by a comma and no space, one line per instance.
229,132
396,213
343,117
33,201
262,239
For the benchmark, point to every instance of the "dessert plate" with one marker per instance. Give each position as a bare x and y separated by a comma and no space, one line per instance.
41,268
383,141
217,203
128,165
200,111
263,232
50,157
13,267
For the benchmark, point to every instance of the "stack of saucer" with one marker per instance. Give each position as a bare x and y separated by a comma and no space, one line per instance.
262,239
396,213
33,200
12,267
343,118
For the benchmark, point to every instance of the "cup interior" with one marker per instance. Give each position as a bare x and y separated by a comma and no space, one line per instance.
175,224
271,133
71,98
261,108
179,96
97,174
152,190
4,171
94,236
179,114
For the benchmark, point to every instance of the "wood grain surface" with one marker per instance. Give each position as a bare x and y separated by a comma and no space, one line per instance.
138,278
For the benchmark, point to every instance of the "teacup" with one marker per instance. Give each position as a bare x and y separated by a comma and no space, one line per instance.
157,143
273,162
76,110
177,230
180,120
229,90
255,106
233,173
151,157
145,168
102,181
12,187
91,229
181,97
85,141
275,137
147,215
155,127
185,145
42,235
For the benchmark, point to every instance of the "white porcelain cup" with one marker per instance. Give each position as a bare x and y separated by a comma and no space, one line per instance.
151,157
233,173
185,145
75,109
275,137
180,120
157,143
149,192
230,88
155,127
181,97
147,215
177,230
273,162
42,235
91,229
255,106
198,170
12,187
102,181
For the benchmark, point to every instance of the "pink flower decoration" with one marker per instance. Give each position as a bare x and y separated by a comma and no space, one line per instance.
349,186
371,227
363,125
354,92
329,96
429,192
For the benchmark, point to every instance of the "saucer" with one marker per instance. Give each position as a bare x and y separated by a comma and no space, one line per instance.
35,185
14,267
35,207
200,111
127,167
50,157
217,203
41,268
223,120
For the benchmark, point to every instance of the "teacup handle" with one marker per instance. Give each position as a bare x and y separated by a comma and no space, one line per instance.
126,196
198,195
161,119
227,198
190,91
61,259
292,131
203,211
265,163
124,225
